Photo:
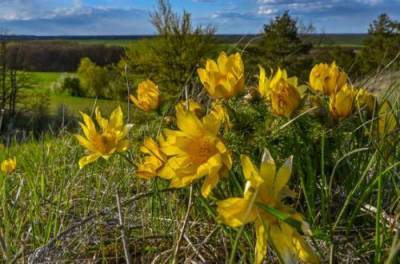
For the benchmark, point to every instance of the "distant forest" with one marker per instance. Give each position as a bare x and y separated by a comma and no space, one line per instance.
63,53
58,56
337,39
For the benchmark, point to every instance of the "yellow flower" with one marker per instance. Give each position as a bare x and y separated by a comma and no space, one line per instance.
111,138
365,99
148,96
224,78
327,79
266,187
387,121
195,151
9,165
220,113
153,162
341,104
281,91
190,105
263,84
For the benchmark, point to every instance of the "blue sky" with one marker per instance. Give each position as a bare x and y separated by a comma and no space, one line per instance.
131,17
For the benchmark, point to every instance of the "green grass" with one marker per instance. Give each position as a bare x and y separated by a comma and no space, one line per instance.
43,81
77,104
345,178
46,82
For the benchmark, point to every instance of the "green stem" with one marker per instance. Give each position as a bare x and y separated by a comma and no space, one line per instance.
235,245
239,234
323,178
127,159
378,222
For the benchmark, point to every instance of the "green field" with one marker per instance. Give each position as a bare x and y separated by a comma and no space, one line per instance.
44,78
109,42
347,40
48,82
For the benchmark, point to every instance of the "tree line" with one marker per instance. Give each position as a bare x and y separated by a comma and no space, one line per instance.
58,56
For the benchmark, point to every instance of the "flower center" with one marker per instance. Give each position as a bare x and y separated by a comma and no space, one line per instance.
105,142
201,149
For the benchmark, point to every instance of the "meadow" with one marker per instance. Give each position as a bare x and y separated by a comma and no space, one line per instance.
337,200
193,147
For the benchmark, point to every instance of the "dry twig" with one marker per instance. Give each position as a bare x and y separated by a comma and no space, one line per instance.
178,243
123,237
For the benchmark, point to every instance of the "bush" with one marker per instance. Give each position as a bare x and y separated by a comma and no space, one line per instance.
93,78
72,86
382,44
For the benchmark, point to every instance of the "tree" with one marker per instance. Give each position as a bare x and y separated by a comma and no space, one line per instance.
93,78
172,57
12,83
282,46
382,44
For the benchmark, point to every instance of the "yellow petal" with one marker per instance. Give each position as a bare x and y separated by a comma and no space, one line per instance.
151,147
387,121
263,83
88,127
283,175
202,75
213,165
268,168
116,118
232,212
222,62
250,172
103,123
211,66
212,123
189,123
261,242
209,183
85,143
303,251
281,238
88,159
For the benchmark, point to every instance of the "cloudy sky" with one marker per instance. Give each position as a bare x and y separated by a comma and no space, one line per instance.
131,17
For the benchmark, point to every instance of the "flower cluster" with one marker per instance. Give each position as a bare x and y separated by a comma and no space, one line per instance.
344,99
9,165
194,149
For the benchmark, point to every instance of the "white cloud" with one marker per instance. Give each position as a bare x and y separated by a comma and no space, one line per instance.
310,7
370,2
267,1
77,3
266,10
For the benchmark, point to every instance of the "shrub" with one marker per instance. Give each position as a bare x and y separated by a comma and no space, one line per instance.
72,86
93,78
381,45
